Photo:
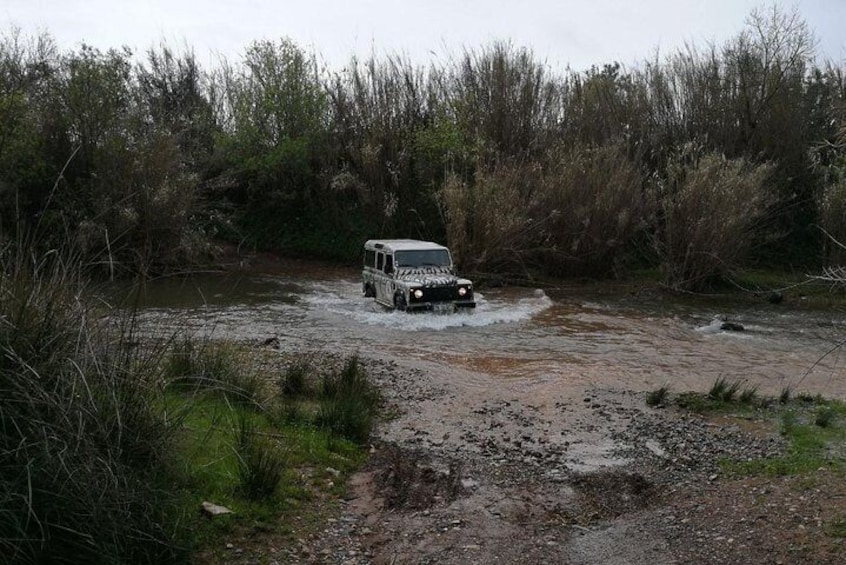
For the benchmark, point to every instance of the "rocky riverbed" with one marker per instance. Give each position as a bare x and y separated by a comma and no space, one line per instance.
524,472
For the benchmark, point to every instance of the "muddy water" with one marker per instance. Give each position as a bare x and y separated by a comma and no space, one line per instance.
575,336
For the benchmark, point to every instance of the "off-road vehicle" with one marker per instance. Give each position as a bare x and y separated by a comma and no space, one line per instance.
407,274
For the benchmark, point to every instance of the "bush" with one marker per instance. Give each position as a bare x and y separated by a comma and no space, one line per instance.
294,381
575,213
824,417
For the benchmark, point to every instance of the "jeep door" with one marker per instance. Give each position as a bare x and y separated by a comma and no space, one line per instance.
387,279
381,281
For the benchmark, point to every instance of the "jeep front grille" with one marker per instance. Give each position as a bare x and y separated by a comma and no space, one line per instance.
441,294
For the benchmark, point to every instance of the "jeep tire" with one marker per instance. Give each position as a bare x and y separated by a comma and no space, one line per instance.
399,301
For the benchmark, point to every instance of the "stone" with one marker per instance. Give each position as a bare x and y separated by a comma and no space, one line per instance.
211,510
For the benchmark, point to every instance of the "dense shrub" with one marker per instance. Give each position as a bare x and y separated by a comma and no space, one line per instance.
576,214
709,206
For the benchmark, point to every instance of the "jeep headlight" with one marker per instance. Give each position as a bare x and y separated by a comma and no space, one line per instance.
462,291
418,294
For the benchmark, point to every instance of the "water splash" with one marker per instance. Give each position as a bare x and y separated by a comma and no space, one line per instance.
344,299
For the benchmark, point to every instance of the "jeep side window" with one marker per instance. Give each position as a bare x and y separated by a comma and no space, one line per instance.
380,258
389,264
369,258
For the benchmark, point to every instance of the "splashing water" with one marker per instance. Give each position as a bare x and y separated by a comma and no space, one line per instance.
343,299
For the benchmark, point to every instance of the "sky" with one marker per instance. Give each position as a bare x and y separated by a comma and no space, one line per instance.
564,33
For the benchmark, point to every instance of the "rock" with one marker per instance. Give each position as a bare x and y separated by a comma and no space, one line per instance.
272,342
731,327
211,510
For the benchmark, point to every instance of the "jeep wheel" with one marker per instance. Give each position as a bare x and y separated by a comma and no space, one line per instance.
399,301
368,291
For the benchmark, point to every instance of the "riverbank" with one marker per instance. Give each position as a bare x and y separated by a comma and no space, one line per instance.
527,473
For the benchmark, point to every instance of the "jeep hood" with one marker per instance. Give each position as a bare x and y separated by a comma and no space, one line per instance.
427,276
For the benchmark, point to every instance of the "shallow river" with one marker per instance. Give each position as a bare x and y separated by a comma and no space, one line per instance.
581,336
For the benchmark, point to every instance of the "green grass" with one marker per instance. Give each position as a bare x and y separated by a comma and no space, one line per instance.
723,396
211,458
814,427
816,438
251,457
837,528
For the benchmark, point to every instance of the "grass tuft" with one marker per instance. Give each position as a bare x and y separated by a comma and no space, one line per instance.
348,403
824,417
784,396
260,463
294,381
748,394
658,397
725,391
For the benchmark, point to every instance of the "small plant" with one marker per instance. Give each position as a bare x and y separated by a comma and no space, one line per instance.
292,412
788,423
837,528
718,389
210,366
658,397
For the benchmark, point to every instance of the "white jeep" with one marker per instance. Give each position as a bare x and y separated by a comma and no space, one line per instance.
407,274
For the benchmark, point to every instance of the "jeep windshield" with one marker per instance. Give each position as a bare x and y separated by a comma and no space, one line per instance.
423,258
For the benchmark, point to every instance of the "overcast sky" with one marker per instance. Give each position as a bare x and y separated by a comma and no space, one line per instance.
577,33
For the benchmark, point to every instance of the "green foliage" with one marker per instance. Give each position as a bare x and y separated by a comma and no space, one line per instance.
697,163
837,528
784,395
693,401
723,394
824,417
294,382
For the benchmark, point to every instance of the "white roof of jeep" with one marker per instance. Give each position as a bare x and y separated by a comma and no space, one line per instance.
401,244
